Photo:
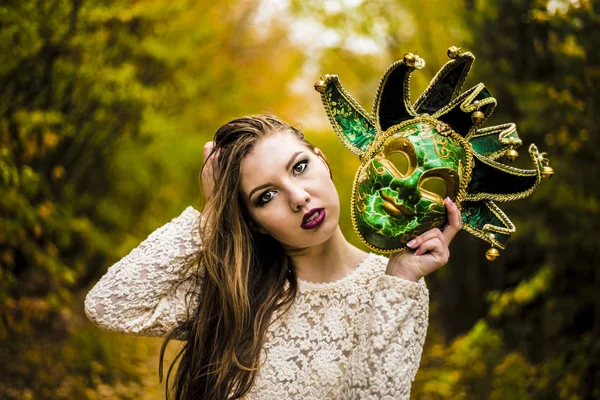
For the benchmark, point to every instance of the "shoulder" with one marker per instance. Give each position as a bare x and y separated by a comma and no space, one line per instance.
377,278
379,259
370,270
378,263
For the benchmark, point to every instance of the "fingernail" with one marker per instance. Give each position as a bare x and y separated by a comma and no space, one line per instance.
411,243
451,202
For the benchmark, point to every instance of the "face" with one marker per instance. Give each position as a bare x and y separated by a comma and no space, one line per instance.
400,191
288,192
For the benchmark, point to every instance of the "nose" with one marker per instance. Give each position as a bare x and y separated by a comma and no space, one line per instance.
407,189
298,198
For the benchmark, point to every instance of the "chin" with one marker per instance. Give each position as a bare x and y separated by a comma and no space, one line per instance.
311,238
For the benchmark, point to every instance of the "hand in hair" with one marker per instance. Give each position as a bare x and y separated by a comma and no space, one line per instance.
430,250
206,178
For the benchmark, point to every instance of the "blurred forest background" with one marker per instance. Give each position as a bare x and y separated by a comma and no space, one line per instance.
104,109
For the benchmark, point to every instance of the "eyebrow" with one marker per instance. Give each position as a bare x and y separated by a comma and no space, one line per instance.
288,165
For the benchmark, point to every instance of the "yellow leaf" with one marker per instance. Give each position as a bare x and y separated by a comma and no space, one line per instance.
7,257
30,149
50,139
58,172
45,209
52,249
37,230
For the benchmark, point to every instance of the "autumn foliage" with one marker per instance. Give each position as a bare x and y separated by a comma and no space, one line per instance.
104,109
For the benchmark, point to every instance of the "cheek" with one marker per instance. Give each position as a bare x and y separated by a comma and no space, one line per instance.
261,216
323,181
330,187
272,217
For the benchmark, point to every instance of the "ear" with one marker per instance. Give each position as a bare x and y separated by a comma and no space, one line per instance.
320,154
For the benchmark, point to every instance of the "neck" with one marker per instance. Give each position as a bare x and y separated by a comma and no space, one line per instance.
327,262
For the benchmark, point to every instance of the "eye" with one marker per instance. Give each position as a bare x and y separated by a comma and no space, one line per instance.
400,161
300,167
435,186
266,197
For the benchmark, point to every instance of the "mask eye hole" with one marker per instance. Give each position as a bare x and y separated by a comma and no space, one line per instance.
400,161
435,188
399,156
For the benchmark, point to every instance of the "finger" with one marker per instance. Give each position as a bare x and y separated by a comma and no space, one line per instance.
434,247
206,173
211,156
454,220
430,234
208,148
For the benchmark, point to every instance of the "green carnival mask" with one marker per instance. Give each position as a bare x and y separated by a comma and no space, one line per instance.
413,156
400,192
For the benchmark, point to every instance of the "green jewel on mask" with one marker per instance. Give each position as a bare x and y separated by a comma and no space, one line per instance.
415,155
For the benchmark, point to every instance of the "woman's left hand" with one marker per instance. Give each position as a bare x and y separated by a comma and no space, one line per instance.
430,249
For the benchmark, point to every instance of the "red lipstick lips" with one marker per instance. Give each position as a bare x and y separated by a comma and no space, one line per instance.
313,218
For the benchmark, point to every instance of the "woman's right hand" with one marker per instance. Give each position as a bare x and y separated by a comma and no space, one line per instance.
206,177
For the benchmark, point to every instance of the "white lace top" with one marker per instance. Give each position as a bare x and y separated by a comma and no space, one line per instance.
360,337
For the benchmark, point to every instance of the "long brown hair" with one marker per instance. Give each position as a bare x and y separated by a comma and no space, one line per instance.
244,278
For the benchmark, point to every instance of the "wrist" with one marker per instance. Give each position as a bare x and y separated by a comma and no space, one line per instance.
402,272
402,265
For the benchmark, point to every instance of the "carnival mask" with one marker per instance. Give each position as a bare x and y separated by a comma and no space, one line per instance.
413,156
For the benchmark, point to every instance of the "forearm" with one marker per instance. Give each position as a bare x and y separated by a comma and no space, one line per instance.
148,291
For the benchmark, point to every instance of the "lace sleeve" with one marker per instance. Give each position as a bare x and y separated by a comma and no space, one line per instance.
390,342
148,291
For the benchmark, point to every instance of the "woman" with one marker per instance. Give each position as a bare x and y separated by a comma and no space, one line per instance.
271,299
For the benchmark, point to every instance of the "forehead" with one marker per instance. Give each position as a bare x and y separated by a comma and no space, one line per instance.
268,159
